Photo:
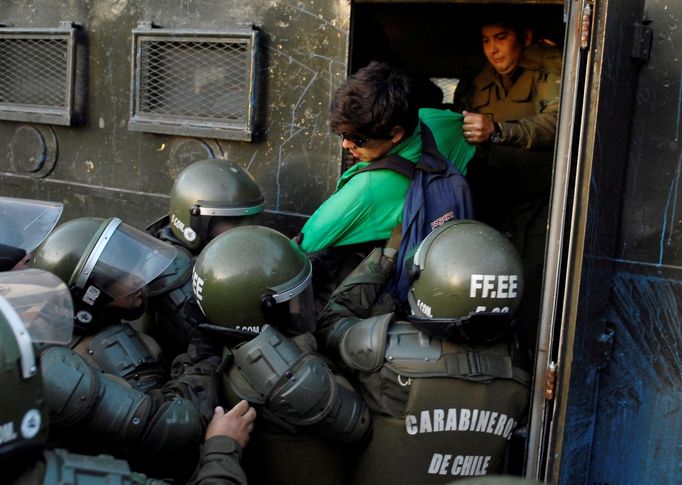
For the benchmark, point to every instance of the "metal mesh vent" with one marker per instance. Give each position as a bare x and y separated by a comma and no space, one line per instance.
36,75
200,85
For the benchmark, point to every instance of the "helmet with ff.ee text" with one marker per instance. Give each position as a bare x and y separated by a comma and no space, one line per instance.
211,192
250,276
467,282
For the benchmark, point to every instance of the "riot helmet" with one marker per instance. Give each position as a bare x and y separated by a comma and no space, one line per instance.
104,263
35,307
467,282
24,224
210,193
250,276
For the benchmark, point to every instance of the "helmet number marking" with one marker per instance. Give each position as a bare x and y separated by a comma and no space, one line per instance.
504,309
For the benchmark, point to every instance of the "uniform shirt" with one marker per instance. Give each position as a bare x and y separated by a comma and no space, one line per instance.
368,206
527,111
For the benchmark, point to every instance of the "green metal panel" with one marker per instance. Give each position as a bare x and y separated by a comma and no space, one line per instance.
99,167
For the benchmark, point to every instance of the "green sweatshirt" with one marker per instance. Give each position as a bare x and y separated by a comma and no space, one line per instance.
368,206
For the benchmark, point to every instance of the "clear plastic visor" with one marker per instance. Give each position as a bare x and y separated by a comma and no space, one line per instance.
26,223
42,302
302,311
126,262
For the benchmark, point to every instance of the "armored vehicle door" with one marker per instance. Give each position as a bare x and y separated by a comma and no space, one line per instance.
606,45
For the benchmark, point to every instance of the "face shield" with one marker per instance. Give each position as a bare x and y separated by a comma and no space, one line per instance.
26,223
38,307
204,215
121,262
292,302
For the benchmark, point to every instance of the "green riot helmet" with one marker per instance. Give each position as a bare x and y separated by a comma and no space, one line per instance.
467,283
253,275
104,263
35,307
209,192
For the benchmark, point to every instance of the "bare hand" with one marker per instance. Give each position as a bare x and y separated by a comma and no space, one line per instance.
477,127
237,423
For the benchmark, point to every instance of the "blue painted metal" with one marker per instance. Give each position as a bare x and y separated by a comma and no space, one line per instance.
623,416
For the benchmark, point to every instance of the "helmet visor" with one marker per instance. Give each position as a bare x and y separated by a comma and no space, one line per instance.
301,311
125,260
26,223
43,303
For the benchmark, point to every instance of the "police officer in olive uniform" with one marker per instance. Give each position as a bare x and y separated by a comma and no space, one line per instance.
24,224
442,383
253,286
130,406
36,307
510,112
208,198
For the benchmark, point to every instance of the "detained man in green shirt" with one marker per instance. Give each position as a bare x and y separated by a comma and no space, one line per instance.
375,114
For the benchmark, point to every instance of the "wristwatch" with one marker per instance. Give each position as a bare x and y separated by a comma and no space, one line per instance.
496,135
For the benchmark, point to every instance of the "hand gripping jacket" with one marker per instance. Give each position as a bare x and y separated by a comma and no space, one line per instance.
297,387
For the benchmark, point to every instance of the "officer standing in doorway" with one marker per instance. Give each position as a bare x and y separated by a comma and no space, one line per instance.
510,112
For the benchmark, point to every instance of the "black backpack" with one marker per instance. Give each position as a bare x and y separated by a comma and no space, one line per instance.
437,193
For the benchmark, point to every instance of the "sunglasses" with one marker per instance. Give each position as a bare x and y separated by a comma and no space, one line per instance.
357,140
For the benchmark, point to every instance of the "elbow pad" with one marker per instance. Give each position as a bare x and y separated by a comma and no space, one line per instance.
363,345
106,407
297,387
101,404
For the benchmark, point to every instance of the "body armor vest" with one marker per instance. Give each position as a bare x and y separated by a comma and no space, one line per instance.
441,411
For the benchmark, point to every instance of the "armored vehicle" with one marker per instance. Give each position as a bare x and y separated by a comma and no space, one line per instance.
103,103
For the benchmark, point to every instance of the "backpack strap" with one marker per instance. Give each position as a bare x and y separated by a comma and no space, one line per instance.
432,160
393,162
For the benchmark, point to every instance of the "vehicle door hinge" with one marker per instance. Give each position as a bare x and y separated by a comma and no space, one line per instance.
586,26
642,41
550,381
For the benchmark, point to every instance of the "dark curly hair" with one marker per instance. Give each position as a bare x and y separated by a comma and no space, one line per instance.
373,101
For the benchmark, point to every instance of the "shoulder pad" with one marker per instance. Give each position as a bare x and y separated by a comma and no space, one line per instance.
364,344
